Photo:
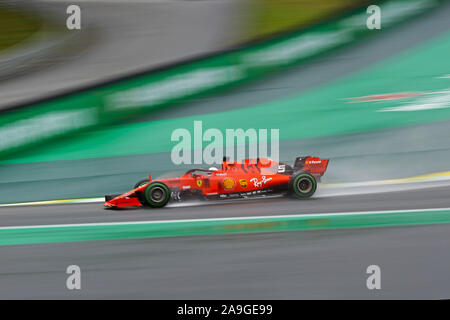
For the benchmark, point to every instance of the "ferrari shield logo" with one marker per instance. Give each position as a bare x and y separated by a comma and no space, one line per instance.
199,183
243,183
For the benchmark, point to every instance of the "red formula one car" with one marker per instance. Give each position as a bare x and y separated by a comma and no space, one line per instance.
249,178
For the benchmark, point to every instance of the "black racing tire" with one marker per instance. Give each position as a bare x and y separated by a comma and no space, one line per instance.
156,195
303,185
140,183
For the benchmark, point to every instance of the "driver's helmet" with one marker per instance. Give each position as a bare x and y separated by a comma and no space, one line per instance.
211,169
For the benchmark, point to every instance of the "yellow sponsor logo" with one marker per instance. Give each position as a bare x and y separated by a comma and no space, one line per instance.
199,183
243,183
228,183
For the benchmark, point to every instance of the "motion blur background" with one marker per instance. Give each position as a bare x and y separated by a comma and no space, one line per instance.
95,108
89,112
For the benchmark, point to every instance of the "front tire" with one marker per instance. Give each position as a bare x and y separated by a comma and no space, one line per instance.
156,195
303,185
141,183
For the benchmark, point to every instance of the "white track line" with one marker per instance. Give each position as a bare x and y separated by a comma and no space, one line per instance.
306,216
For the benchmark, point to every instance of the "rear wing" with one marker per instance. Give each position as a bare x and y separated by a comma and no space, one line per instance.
312,165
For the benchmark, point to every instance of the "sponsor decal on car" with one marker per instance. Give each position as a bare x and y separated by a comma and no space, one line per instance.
199,183
313,162
243,183
228,183
259,184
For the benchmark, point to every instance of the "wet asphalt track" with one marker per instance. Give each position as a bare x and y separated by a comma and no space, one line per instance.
429,197
328,264
414,261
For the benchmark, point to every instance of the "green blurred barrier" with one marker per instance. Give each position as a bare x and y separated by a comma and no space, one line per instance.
130,97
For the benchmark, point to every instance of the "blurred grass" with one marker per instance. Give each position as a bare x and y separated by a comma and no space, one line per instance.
274,16
16,26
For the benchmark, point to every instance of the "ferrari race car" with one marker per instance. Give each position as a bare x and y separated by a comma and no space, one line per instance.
245,179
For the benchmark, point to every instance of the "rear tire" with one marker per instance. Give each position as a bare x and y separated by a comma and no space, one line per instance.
303,185
156,195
